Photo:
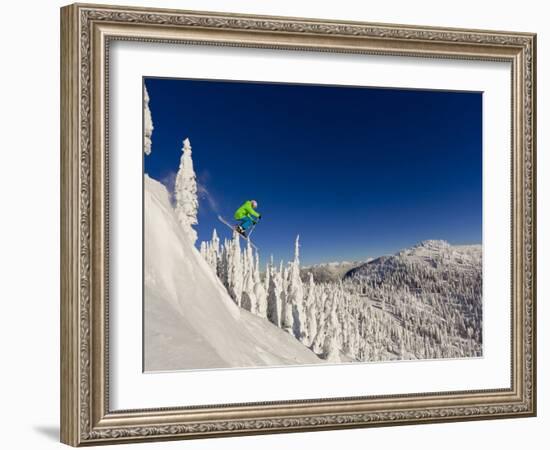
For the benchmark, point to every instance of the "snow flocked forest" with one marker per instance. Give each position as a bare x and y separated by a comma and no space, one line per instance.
216,307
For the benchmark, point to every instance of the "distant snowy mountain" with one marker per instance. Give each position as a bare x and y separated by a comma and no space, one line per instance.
190,319
329,272
432,291
432,255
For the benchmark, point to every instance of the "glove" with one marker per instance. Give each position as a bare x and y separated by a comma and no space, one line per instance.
259,217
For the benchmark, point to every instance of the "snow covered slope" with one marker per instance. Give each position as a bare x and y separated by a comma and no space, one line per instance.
190,321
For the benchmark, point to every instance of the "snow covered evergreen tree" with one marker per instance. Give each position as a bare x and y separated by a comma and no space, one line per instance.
236,273
210,251
295,296
310,312
259,289
287,317
147,123
274,297
187,202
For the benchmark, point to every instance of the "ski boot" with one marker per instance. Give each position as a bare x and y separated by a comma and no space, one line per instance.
241,231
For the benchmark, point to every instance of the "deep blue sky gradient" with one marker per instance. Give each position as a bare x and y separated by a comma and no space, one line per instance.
355,171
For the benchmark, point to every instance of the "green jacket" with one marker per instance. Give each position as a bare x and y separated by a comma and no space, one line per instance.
246,210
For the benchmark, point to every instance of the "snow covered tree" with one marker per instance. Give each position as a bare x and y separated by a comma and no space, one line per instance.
248,299
210,251
215,243
287,318
310,312
296,294
261,299
330,349
235,270
260,291
268,270
274,297
187,203
319,329
147,123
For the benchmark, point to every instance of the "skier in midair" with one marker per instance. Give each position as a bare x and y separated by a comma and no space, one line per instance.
247,215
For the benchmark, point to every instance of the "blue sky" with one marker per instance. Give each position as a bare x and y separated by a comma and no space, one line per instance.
355,171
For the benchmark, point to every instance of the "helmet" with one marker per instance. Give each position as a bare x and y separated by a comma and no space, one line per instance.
254,203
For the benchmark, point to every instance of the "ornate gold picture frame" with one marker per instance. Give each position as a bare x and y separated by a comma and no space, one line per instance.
87,32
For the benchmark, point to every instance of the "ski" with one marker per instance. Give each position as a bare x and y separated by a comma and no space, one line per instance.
232,227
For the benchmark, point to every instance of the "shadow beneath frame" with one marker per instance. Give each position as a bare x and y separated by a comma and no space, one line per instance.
51,432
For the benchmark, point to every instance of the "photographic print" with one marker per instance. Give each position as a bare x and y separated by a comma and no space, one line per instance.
291,224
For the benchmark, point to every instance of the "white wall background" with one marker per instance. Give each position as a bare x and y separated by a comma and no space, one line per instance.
29,235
